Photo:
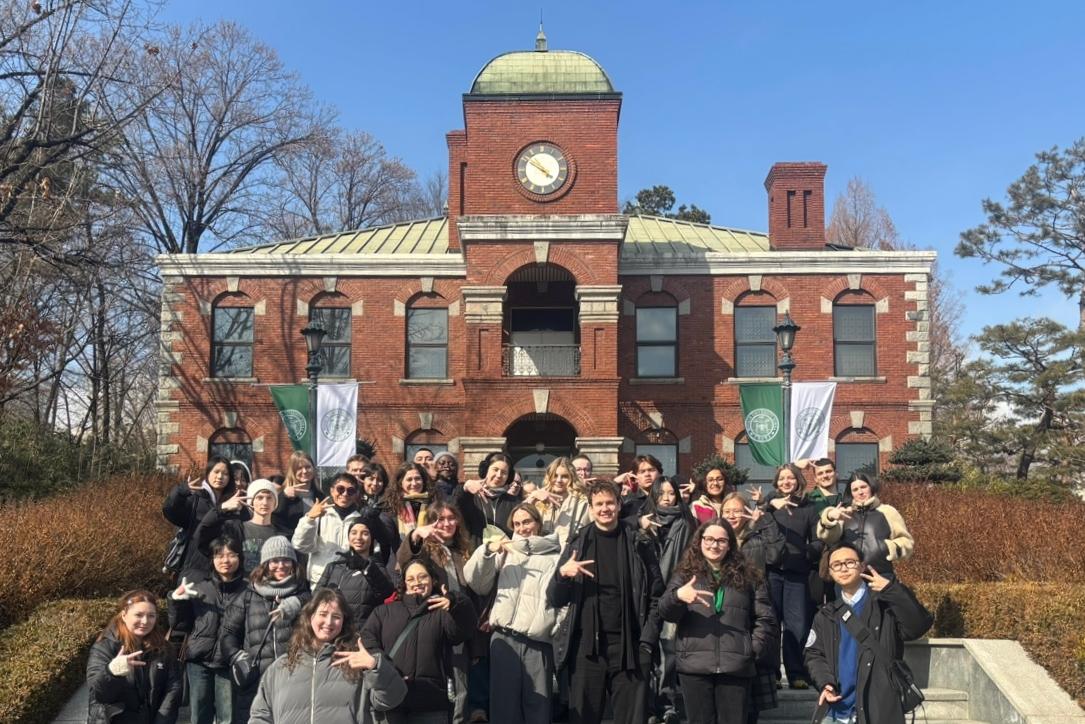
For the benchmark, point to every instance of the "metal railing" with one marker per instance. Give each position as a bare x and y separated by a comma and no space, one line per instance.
541,360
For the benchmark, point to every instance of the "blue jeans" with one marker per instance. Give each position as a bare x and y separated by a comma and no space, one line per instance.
210,694
790,600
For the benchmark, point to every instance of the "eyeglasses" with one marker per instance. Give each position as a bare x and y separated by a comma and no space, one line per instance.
225,556
849,565
714,542
345,489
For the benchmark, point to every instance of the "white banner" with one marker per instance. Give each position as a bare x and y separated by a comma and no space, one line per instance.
811,408
337,423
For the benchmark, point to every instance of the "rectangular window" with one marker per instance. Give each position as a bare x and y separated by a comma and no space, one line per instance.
856,457
427,343
231,342
853,340
657,341
335,349
758,474
755,342
665,454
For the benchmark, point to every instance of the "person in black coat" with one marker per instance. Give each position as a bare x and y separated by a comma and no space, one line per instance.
363,580
424,658
609,577
487,501
725,624
187,504
852,679
132,673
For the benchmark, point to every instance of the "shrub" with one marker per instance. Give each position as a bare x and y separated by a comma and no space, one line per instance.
735,475
919,460
1045,618
43,659
100,539
979,537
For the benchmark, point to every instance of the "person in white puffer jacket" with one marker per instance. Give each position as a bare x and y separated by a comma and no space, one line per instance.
521,655
322,533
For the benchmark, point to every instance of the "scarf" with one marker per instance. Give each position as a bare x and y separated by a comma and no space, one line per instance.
411,511
277,589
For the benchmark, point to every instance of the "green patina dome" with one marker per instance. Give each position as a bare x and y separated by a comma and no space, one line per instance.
541,71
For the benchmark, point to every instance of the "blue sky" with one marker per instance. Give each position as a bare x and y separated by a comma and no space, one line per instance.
935,104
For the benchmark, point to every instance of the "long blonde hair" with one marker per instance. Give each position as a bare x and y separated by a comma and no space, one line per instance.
291,469
576,485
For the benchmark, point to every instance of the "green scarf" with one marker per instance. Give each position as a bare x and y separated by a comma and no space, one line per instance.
718,598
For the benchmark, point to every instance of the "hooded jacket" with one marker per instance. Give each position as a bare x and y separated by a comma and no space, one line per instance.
363,581
248,617
202,619
185,508
875,529
323,539
520,575
122,699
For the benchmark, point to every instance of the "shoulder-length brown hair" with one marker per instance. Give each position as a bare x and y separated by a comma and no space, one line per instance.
291,470
154,642
304,641
461,542
735,570
393,493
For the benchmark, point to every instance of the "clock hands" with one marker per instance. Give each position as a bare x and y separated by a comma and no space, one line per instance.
535,162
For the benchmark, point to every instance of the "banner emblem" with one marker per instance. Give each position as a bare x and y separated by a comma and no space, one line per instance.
296,424
762,425
808,423
337,425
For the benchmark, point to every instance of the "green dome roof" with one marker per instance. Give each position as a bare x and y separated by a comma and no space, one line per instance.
529,72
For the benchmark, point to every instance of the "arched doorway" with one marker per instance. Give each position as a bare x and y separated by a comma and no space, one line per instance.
533,441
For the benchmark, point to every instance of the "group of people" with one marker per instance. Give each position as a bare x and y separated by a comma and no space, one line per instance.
421,598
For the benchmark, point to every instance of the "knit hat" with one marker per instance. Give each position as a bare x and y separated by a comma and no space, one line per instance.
261,486
277,546
444,454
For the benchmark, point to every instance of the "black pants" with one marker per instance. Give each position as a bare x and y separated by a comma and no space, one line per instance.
593,677
714,698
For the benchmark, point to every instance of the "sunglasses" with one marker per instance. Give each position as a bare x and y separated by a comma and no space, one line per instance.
345,489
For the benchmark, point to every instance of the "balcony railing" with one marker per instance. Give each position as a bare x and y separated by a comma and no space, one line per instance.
541,360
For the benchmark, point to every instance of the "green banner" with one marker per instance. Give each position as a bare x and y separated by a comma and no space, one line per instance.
763,416
293,404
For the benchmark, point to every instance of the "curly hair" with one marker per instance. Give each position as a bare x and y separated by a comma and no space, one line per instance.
735,571
437,551
393,494
576,485
304,641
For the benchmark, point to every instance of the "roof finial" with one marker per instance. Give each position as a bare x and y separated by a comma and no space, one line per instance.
540,39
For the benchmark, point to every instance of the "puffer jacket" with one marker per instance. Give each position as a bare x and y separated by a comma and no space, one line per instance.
316,691
248,617
363,581
894,616
732,641
424,658
185,508
202,619
802,549
876,530
521,576
762,543
125,699
323,539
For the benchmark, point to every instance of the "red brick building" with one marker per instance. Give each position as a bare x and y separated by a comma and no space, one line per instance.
536,318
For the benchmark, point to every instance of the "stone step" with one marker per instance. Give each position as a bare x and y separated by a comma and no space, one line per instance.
941,705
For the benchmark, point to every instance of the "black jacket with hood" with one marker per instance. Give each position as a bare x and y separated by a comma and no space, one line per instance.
202,619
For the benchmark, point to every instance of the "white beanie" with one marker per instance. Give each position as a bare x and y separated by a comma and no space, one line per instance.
260,486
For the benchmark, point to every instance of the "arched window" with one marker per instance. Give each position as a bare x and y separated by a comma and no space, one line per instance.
232,322
333,314
657,336
854,341
758,474
755,342
232,444
856,452
427,338
661,444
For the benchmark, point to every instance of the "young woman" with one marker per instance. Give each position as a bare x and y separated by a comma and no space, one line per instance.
714,487
360,577
724,625
261,619
188,503
199,610
299,490
561,501
516,572
132,673
789,579
410,492
372,502
487,502
431,621
319,679
875,529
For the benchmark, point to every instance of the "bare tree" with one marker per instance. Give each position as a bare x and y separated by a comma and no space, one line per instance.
433,198
194,166
858,221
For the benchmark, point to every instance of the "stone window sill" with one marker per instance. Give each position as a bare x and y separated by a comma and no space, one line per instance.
230,380
869,380
435,381
657,380
747,380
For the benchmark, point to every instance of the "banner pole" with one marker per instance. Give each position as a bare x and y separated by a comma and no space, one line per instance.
787,364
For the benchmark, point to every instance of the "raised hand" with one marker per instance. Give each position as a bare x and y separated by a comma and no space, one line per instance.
123,663
423,532
573,568
185,591
840,513
440,603
501,545
474,487
756,495
649,523
875,580
357,660
237,502
318,508
542,495
195,484
691,596
292,491
752,514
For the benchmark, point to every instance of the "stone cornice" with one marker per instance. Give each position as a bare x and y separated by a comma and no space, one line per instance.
282,265
513,227
783,262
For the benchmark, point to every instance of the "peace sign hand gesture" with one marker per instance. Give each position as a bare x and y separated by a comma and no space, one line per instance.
360,659
875,580
691,595
422,532
195,484
756,494
123,663
752,514
318,508
185,591
573,568
237,502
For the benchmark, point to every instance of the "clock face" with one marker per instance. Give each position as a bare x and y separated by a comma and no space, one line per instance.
542,168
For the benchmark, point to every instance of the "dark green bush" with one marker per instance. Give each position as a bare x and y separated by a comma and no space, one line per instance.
922,461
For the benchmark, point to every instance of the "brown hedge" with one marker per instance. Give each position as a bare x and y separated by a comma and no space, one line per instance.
1045,618
100,539
43,659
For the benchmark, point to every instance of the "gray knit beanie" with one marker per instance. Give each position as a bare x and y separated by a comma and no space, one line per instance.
277,547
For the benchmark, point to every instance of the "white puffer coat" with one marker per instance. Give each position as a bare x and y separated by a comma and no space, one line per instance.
323,539
521,576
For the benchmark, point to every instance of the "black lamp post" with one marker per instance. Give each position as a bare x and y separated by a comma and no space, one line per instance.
314,335
785,336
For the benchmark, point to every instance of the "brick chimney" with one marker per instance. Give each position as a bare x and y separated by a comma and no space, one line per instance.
796,205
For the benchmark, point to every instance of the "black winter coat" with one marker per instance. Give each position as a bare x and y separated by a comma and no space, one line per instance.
125,700
647,585
217,523
247,619
478,511
185,508
802,549
764,546
732,641
424,659
363,581
894,615
202,619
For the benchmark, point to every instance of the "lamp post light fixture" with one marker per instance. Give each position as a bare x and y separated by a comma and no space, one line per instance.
314,336
785,336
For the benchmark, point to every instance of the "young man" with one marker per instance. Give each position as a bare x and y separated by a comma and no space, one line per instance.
854,682
448,473
635,506
825,495
609,577
322,532
424,456
356,464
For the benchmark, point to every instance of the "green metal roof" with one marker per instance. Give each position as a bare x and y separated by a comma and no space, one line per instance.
531,72
645,237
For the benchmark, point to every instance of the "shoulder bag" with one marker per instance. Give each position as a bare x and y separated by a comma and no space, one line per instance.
900,676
